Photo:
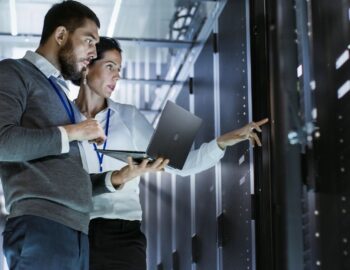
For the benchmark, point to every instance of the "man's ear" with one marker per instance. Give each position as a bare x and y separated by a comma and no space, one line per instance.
61,35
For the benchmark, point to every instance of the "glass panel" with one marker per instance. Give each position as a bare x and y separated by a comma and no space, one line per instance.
139,19
155,36
162,19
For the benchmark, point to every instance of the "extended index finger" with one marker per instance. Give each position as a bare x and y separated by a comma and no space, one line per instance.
262,122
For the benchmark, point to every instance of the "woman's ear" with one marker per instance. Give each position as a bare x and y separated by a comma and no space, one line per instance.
61,35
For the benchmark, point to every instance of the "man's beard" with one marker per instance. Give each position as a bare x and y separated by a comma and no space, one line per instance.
68,62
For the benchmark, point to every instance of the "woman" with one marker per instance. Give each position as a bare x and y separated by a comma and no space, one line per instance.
116,241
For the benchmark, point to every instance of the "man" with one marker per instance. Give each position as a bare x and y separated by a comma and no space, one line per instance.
47,192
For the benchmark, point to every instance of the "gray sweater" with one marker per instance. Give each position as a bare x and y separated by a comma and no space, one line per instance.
37,179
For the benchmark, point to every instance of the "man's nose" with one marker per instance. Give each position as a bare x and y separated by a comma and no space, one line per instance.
92,53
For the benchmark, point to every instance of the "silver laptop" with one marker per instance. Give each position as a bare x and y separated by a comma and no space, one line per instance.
172,138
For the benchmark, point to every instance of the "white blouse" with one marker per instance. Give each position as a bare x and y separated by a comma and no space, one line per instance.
130,130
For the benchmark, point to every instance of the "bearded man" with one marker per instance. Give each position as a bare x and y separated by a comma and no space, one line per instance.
47,191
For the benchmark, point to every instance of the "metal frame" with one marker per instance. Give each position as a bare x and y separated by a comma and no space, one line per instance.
184,62
153,43
279,180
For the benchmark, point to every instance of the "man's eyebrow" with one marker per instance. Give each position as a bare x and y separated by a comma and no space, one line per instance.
89,34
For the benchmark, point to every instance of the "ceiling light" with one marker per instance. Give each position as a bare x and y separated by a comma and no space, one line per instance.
114,18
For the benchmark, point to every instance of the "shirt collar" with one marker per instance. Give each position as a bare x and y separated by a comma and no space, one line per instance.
43,65
112,105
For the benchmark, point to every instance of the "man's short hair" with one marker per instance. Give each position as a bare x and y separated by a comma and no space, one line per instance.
70,14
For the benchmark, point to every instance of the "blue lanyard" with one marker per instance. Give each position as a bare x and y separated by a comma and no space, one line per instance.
68,108
100,155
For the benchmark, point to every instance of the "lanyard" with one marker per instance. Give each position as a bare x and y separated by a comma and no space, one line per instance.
100,155
68,108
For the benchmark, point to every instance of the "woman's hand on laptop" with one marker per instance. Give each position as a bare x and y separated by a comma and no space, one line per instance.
248,132
133,170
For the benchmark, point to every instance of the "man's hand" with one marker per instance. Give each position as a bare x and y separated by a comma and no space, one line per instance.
88,130
134,170
244,133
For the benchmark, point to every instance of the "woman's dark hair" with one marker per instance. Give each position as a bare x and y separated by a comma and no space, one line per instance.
105,44
70,14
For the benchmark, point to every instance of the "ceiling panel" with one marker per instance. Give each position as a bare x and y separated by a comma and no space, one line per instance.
141,19
155,35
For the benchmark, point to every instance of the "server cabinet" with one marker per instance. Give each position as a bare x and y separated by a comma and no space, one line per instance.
330,54
207,219
302,47
205,187
237,169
